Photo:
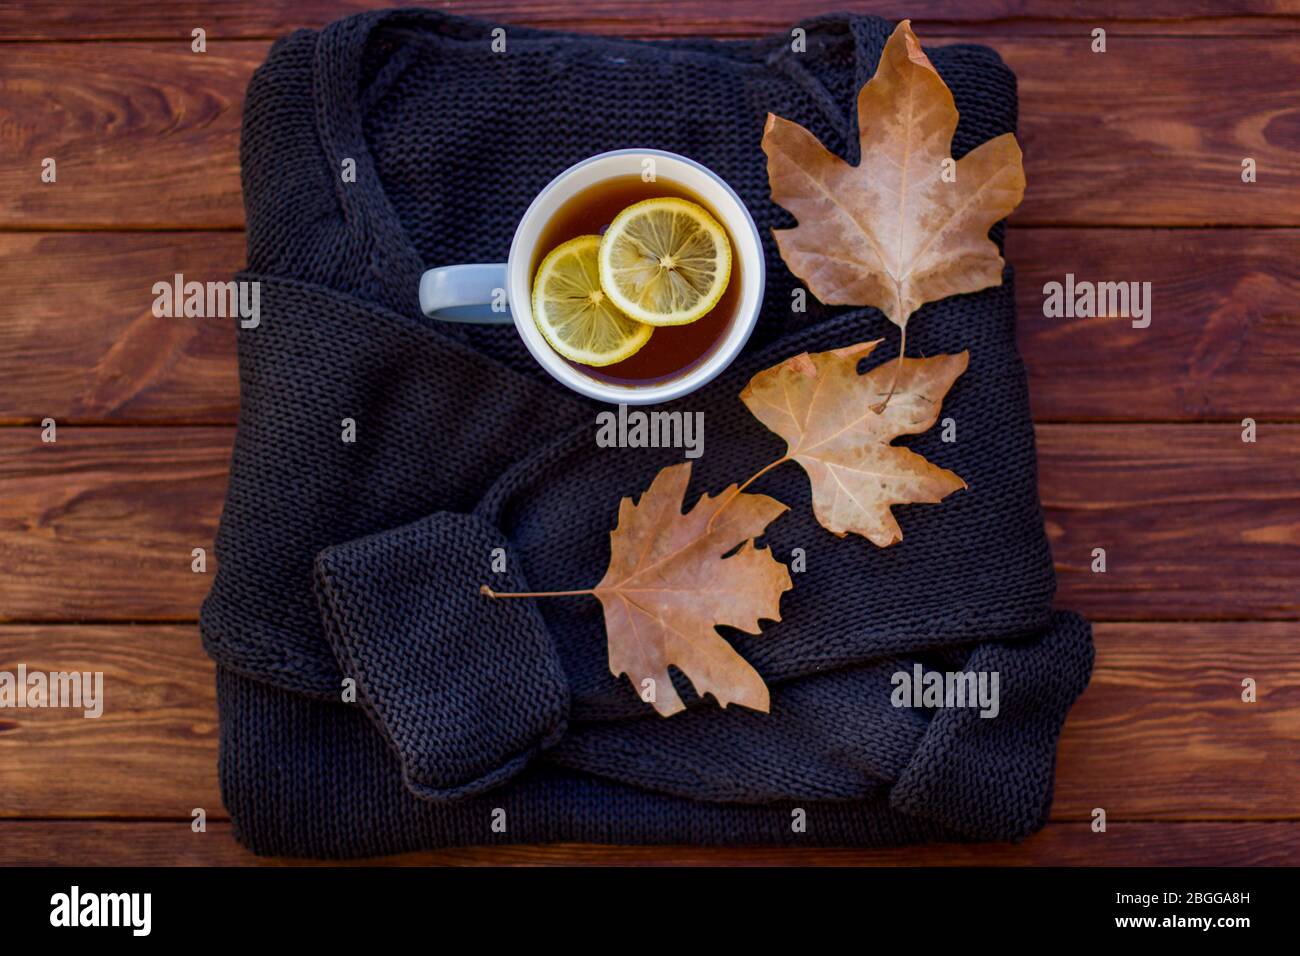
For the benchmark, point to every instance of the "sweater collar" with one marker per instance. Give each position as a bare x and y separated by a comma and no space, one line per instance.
395,263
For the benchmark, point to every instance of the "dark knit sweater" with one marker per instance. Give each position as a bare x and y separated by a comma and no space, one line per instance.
363,560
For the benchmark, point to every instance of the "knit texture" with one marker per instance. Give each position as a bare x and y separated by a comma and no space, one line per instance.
358,564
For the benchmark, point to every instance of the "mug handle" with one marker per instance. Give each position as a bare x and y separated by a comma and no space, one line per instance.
466,294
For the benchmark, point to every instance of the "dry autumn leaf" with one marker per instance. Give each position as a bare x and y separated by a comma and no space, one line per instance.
894,232
673,578
668,586
819,404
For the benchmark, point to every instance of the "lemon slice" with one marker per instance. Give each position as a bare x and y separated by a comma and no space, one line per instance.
574,313
665,261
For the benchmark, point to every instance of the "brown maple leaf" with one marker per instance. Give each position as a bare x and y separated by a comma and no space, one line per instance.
907,225
819,403
669,586
674,577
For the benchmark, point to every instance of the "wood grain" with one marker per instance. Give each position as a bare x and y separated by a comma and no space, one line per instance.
79,341
1166,112
1196,524
152,752
1160,734
159,124
245,18
143,134
101,524
101,843
1225,316
81,344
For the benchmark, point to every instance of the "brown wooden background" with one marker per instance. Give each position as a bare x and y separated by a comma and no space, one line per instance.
1134,160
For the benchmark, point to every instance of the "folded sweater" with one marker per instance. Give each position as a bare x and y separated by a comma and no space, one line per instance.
371,700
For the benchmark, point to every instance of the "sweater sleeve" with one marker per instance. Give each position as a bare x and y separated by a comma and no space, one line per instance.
465,691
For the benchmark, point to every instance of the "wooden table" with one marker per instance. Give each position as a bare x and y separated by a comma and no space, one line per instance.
1134,158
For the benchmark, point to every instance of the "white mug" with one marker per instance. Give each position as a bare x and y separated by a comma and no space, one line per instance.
477,293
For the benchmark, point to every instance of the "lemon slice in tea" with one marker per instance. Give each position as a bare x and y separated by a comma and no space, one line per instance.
665,261
574,313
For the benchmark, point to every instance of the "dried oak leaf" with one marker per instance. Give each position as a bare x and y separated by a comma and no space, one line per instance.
669,585
819,403
891,232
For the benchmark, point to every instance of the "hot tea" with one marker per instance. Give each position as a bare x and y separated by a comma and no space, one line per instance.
671,350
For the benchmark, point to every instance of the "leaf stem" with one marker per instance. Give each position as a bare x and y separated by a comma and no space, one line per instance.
879,407
486,591
748,481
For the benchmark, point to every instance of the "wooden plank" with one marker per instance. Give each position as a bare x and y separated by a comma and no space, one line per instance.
101,524
158,123
1188,127
142,134
1195,523
1161,733
79,342
79,339
247,18
104,843
151,753
1224,318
